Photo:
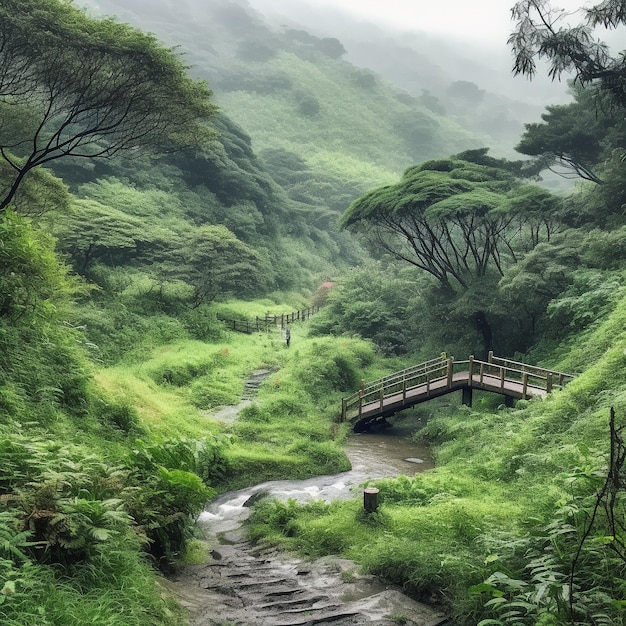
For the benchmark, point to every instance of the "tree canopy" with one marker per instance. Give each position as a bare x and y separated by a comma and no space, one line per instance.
73,86
455,219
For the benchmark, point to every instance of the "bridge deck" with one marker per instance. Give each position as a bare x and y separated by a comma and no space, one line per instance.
439,387
387,396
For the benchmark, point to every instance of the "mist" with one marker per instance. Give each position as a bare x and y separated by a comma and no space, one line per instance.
407,55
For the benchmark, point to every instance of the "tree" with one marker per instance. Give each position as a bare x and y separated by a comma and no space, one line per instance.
95,233
460,221
87,88
451,218
538,35
576,138
213,261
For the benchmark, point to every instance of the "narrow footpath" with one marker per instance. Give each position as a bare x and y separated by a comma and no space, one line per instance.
249,585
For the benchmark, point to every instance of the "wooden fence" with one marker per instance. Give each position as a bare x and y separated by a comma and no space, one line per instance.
269,321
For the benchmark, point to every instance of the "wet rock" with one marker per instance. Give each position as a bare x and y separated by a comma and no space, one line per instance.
253,585
255,497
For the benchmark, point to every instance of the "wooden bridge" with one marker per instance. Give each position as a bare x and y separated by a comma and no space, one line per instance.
377,400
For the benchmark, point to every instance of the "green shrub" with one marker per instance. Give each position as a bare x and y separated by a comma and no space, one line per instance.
202,324
121,414
327,367
206,394
322,457
255,414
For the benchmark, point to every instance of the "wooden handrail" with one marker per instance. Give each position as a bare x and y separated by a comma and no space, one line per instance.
443,371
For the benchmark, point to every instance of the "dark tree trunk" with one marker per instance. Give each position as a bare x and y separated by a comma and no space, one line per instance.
482,326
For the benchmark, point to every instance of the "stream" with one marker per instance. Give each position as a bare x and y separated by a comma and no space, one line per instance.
372,456
249,585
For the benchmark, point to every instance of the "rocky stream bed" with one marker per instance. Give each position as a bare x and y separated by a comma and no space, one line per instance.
245,584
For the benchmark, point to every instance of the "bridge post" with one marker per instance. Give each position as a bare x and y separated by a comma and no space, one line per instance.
524,384
470,368
450,370
549,382
343,409
360,402
490,357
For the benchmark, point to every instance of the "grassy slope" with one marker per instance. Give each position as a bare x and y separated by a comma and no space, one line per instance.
500,474
291,433
353,136
362,130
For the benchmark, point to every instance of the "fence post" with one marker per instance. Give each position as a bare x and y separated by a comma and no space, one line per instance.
450,369
524,384
343,409
490,357
470,368
549,382
361,401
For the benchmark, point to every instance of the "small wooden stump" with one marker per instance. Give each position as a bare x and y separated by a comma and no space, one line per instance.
370,500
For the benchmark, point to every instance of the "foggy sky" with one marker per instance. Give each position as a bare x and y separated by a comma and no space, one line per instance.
473,19
486,21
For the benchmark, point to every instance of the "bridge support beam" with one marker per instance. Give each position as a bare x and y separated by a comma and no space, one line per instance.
466,398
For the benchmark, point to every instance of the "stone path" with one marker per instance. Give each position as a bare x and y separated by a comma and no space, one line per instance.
228,414
246,585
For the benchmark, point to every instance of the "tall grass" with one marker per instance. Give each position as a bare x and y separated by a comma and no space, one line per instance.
507,481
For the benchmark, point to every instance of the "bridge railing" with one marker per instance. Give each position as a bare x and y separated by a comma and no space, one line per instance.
552,379
446,373
399,382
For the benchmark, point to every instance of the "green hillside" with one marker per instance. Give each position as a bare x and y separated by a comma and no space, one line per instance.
135,218
292,91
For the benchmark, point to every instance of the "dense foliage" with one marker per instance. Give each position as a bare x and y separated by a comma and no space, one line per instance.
115,274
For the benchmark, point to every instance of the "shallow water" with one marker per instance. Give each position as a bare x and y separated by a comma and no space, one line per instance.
373,456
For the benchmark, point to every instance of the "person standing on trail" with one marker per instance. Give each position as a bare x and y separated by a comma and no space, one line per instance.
287,336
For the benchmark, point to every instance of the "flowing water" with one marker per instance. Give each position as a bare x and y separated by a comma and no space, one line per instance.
249,585
372,456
